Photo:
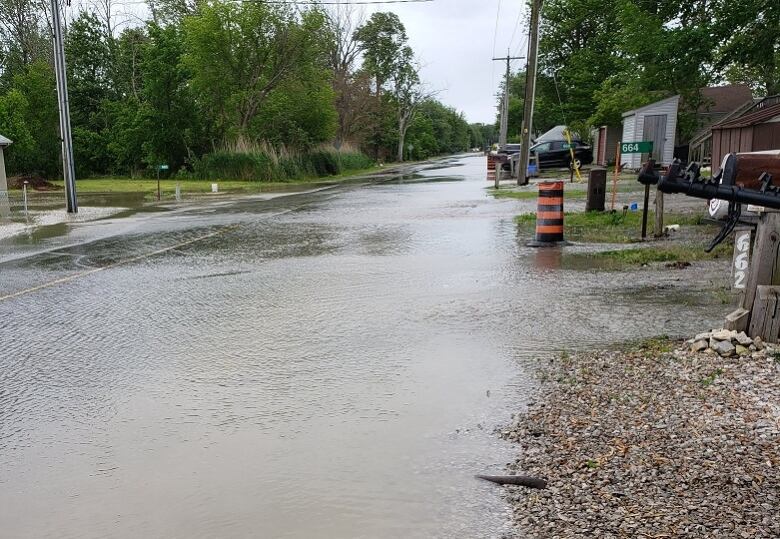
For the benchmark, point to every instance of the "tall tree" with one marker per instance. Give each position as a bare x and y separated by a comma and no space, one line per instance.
239,53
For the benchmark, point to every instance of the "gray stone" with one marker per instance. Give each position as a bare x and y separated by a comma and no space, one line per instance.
743,339
759,343
699,345
702,336
724,348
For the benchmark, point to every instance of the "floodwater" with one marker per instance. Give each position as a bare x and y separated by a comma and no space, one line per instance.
330,364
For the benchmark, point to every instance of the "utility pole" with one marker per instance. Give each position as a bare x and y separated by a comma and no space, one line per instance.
530,92
68,168
505,101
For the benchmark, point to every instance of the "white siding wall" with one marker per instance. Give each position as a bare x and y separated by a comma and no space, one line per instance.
633,128
629,122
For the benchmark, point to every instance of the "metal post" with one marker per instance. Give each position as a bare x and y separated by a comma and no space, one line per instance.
24,195
644,211
158,183
530,92
68,168
178,192
616,176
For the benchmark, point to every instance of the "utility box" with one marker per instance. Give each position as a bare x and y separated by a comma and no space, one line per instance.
597,189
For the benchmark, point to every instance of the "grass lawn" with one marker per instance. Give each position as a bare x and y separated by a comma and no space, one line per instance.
606,227
570,191
168,187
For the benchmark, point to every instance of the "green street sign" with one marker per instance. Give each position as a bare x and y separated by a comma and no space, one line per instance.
163,167
645,146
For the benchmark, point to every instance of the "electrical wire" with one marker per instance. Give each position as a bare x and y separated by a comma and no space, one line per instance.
495,38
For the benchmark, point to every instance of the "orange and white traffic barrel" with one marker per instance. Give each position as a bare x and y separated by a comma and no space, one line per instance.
549,215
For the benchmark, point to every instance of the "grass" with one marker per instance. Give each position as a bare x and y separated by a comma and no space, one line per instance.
168,187
607,227
570,192
708,381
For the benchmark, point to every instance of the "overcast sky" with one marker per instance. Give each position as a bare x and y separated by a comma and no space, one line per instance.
453,39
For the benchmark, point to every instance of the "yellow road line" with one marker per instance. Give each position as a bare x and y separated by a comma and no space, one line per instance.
75,276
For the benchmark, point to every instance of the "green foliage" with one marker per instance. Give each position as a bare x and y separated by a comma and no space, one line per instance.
249,90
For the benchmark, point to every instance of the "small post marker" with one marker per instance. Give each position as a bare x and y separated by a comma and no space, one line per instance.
24,194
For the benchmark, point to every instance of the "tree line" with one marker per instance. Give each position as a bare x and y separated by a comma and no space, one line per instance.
216,87
600,58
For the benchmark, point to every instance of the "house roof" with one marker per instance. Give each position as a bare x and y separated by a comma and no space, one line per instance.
724,99
651,105
5,141
706,132
752,117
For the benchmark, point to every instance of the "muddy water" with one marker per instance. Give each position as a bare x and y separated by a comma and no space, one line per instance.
326,365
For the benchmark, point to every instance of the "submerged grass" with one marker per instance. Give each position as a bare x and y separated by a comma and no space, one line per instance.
191,186
640,256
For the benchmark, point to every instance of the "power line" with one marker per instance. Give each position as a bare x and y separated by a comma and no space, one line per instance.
346,3
495,37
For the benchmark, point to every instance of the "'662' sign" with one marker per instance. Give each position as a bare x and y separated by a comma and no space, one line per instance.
741,258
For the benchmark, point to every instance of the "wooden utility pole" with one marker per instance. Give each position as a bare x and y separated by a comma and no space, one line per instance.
530,92
502,136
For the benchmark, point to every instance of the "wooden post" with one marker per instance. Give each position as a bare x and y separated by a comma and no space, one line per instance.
765,263
765,319
659,213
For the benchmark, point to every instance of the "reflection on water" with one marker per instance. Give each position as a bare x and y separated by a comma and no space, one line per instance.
329,365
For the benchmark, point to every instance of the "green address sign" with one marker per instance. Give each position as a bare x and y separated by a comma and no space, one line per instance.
637,147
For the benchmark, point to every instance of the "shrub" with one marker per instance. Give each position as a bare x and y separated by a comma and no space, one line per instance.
262,162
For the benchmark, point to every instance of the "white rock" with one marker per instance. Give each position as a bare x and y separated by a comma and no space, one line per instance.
723,335
701,336
759,343
699,345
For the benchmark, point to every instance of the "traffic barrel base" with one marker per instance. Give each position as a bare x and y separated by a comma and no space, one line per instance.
549,216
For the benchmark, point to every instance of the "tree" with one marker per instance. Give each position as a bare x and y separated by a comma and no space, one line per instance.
382,41
407,94
239,53
749,34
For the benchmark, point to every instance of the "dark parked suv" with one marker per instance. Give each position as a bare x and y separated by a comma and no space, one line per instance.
555,153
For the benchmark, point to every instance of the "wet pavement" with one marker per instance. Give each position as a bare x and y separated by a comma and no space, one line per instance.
328,364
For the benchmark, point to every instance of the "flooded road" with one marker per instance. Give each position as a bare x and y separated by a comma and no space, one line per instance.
330,364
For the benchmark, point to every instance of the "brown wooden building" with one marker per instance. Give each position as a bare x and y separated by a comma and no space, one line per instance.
756,130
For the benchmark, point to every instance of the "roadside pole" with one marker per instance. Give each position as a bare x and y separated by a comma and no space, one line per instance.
530,93
502,136
68,168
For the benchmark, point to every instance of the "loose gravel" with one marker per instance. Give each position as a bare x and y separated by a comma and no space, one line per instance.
652,441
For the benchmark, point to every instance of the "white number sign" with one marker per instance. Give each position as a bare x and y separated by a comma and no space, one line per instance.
741,258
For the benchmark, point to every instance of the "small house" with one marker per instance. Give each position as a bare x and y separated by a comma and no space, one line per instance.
757,129
656,122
